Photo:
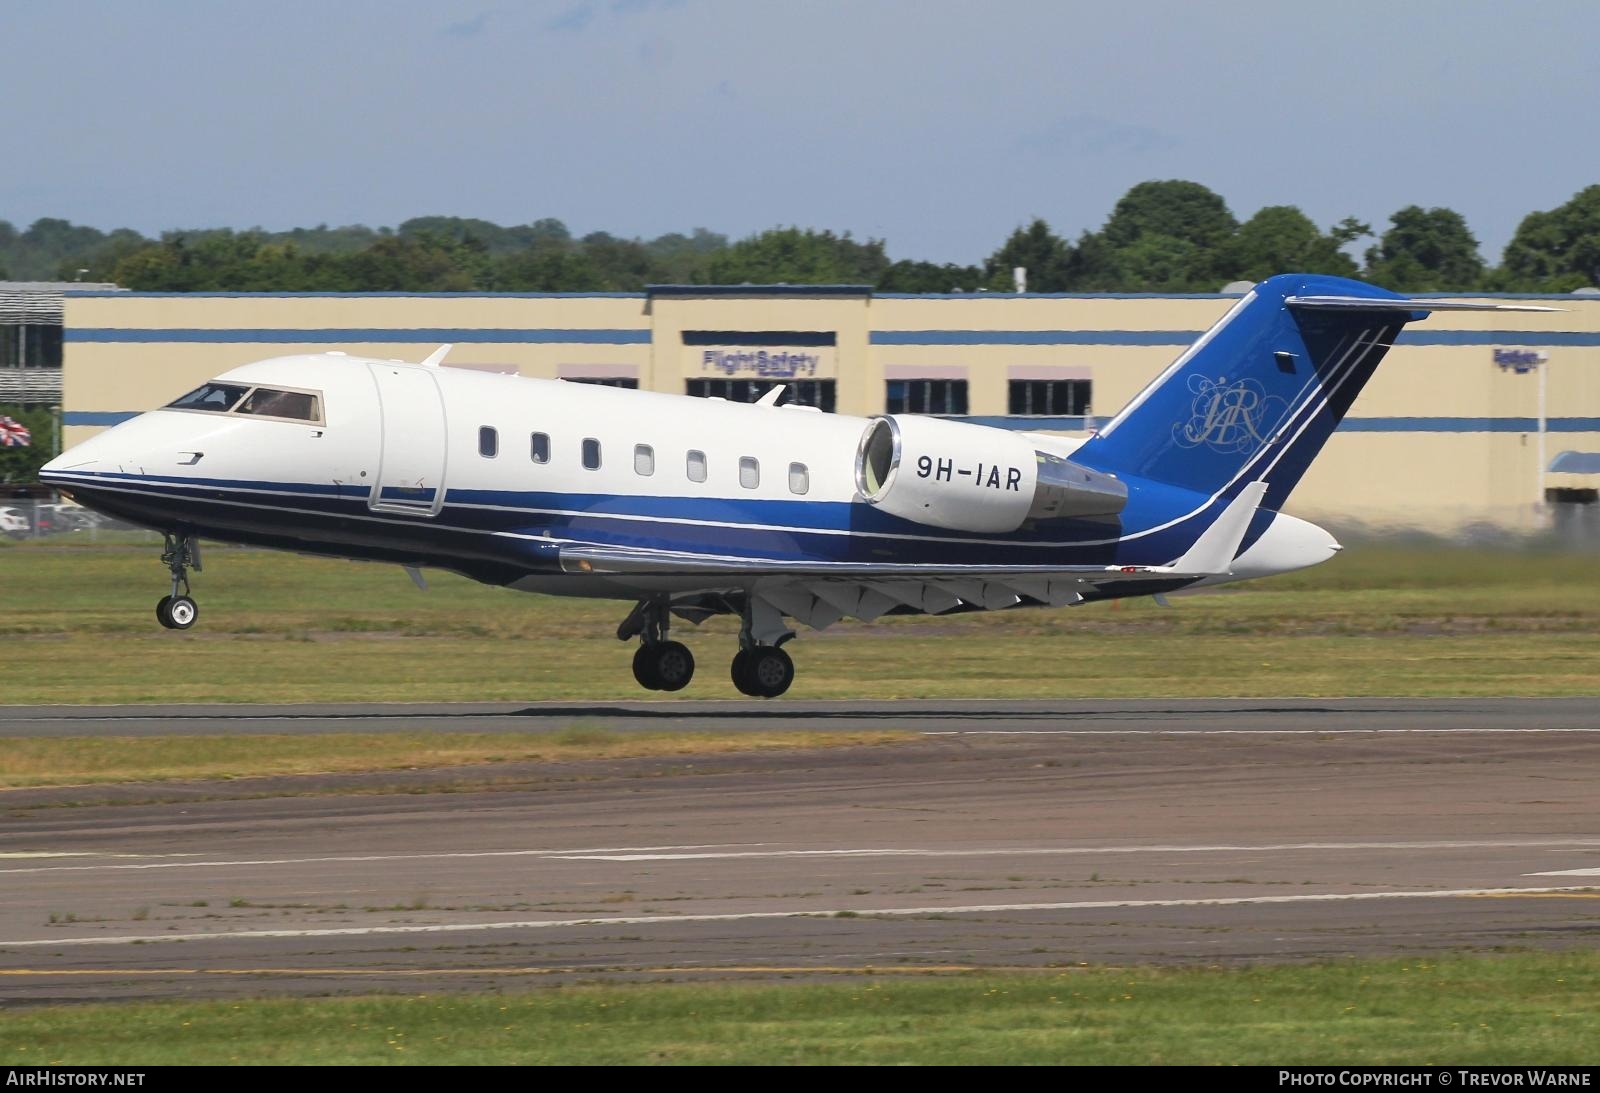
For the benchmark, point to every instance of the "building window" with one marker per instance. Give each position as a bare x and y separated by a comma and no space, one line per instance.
1056,398
644,459
488,442
591,453
629,383
818,393
927,397
799,478
696,466
749,472
541,447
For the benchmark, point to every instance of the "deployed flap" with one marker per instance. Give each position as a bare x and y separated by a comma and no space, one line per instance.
1212,553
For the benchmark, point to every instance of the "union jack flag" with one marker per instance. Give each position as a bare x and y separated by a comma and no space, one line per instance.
13,434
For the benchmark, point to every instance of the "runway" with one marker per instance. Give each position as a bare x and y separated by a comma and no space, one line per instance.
1035,835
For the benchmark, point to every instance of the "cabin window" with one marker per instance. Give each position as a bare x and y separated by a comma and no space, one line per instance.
799,478
271,402
697,466
591,453
541,447
215,397
488,441
644,459
749,472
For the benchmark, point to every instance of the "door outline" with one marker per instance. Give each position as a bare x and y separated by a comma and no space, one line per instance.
409,453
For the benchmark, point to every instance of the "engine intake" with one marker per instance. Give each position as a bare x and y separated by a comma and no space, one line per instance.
949,474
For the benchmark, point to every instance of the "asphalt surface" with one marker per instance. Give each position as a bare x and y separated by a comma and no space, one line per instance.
1012,835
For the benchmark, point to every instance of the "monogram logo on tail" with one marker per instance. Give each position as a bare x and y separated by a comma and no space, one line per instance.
1234,418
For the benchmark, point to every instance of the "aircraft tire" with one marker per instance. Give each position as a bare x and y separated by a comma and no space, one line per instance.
183,612
672,665
162,614
644,668
769,671
740,672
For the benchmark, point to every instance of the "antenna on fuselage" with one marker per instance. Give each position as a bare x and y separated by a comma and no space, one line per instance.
436,358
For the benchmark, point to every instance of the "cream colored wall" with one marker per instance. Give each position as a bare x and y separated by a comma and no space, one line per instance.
845,316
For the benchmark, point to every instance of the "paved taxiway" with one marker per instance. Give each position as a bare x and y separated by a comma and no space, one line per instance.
1014,834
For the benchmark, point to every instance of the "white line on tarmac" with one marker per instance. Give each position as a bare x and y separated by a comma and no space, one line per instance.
700,851
351,858
1567,873
1231,732
746,916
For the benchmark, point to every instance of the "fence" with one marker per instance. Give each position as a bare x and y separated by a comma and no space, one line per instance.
27,518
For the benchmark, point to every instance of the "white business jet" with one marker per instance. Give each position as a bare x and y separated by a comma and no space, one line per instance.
691,507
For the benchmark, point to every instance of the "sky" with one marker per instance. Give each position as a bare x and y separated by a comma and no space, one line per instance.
936,125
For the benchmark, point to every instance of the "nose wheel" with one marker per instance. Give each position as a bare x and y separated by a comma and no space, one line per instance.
177,610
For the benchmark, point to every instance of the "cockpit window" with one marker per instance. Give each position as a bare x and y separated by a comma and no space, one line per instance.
216,397
234,398
271,402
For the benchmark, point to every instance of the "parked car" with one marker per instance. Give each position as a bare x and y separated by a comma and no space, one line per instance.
13,524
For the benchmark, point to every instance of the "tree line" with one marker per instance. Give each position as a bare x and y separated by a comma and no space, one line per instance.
1162,236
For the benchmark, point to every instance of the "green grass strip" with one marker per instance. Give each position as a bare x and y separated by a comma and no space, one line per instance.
1510,1009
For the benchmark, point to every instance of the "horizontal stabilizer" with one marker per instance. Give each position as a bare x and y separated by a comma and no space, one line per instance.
1371,303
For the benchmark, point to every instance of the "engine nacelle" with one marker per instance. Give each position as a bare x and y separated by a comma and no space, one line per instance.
949,474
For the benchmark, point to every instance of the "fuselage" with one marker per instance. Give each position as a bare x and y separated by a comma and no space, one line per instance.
490,475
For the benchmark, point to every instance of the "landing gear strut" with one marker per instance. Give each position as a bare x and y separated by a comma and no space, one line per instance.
659,664
760,670
179,555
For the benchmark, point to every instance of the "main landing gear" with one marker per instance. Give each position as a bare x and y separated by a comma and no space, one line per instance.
660,664
179,555
760,669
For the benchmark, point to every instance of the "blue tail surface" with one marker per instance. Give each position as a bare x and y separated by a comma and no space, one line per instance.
1261,391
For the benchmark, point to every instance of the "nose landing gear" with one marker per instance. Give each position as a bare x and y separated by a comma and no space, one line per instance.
179,554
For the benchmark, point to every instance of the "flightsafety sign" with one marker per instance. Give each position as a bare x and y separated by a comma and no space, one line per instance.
763,362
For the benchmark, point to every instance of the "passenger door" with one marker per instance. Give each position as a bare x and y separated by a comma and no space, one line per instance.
413,432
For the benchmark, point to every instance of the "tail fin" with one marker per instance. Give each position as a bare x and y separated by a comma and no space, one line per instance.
1261,391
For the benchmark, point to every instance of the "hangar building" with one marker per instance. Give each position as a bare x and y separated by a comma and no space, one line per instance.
1458,428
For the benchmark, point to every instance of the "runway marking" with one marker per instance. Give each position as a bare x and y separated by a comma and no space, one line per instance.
1068,850
668,969
705,851
1234,732
749,916
1567,873
348,858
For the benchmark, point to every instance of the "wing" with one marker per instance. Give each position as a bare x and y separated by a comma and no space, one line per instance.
819,593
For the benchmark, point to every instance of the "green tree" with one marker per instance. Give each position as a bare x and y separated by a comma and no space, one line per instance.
908,276
1043,253
1426,250
1282,239
1169,236
797,256
1556,250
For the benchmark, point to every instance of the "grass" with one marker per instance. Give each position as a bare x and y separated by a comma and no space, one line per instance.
84,760
1379,620
1516,1008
